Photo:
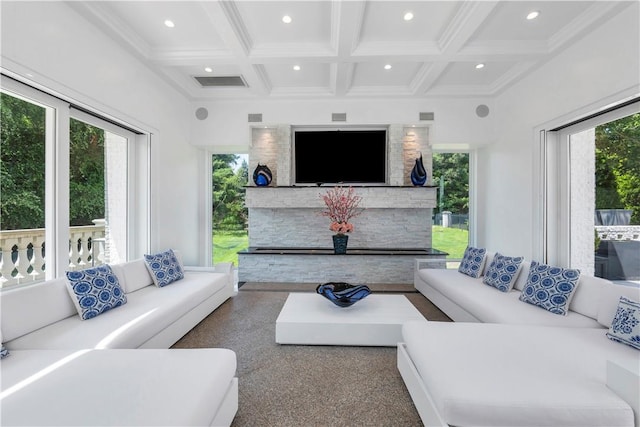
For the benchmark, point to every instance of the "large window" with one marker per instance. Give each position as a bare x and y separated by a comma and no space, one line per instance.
592,201
74,188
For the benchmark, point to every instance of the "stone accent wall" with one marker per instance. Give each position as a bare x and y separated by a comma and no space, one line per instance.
392,217
366,269
305,228
415,141
396,215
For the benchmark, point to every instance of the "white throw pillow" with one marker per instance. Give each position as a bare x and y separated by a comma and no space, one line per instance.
472,261
164,267
625,327
503,272
94,291
3,351
550,287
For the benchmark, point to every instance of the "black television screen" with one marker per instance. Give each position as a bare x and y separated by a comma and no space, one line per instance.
340,156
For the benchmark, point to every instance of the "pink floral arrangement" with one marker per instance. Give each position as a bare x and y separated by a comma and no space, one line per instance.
342,205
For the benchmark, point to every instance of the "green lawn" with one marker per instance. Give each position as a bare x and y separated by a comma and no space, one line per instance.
451,240
227,244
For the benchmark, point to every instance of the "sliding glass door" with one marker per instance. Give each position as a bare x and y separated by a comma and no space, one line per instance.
74,188
593,197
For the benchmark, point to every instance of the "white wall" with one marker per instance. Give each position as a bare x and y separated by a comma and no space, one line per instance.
63,52
227,130
600,65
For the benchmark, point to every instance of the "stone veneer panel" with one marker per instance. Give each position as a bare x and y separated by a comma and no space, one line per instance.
355,269
396,215
375,228
415,142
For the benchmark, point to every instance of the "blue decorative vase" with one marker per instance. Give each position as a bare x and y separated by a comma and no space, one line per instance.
262,175
343,294
418,173
340,243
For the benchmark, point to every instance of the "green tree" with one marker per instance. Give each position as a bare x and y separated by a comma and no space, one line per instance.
22,162
22,167
454,169
618,165
86,173
229,212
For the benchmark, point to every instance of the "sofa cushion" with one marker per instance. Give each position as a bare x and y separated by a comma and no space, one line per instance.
625,327
164,268
521,280
148,312
176,387
503,272
94,291
610,299
133,275
48,303
586,299
489,305
518,375
472,261
550,287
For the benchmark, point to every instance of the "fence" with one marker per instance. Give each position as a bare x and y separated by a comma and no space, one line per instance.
22,252
455,220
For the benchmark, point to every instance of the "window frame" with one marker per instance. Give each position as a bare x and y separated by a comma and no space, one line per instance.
57,146
552,192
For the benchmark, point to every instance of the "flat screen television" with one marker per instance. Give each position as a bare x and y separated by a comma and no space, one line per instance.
349,156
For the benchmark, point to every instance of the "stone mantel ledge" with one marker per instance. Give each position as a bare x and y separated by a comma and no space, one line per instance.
373,197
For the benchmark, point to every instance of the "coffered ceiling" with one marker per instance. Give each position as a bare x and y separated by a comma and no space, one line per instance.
341,48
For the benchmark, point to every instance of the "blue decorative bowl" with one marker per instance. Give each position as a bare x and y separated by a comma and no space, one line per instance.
343,294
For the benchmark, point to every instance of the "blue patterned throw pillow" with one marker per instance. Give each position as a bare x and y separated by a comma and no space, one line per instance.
550,287
95,290
472,261
164,267
625,327
502,272
3,352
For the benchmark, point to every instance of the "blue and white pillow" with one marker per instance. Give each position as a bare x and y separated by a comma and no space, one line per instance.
95,290
164,267
472,261
550,287
3,350
625,327
503,272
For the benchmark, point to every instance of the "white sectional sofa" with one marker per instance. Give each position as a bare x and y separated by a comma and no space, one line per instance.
504,362
116,368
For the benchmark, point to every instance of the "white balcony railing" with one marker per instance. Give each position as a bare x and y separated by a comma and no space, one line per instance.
22,252
618,232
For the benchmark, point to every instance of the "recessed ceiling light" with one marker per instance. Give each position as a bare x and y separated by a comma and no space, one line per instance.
479,66
286,19
408,16
208,69
387,67
533,15
169,23
296,67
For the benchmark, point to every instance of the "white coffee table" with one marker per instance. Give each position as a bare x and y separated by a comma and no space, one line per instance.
311,319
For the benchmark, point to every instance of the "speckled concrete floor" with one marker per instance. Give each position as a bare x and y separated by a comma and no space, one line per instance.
291,385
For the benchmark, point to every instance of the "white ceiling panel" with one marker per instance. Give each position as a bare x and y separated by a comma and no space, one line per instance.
311,75
373,74
342,46
509,20
384,20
